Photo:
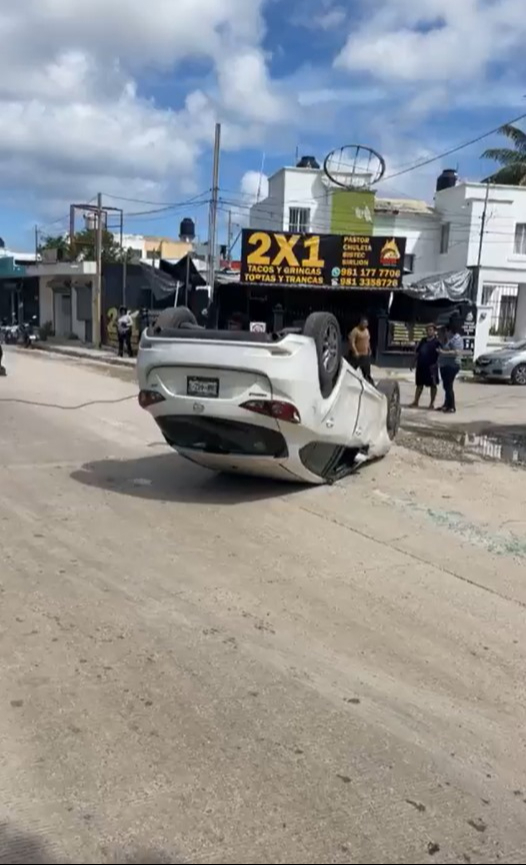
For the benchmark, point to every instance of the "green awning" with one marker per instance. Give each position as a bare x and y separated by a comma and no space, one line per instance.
8,268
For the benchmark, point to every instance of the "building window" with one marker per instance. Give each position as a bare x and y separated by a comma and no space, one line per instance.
153,254
502,299
444,238
299,220
409,263
520,238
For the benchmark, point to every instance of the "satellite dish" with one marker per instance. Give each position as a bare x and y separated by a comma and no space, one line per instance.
353,167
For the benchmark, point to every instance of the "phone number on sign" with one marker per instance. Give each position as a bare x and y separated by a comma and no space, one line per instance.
371,283
371,273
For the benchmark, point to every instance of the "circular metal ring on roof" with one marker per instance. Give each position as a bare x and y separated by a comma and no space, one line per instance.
354,166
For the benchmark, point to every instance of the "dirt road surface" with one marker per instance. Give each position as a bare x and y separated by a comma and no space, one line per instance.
208,670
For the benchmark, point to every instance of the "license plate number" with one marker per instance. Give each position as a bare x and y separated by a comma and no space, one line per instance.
208,388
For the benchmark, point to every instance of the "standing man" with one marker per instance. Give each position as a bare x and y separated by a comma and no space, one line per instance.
427,366
360,348
124,331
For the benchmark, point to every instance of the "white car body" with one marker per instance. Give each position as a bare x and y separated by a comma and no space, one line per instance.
349,426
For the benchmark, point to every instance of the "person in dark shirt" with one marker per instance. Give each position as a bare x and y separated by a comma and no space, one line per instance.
426,376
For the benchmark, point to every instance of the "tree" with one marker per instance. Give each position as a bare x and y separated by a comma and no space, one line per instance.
84,246
512,160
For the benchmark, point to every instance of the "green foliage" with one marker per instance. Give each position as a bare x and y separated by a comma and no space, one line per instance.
511,159
84,247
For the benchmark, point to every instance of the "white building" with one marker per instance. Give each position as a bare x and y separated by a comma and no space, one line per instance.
300,200
488,224
451,235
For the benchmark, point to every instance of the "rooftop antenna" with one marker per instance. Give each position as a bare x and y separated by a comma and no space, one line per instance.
258,196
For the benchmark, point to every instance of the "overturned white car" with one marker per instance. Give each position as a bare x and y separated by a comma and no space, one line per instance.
283,405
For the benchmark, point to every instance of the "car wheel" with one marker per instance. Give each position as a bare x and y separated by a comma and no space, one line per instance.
391,391
518,375
173,318
324,329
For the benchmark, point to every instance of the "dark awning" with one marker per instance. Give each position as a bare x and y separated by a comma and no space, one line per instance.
179,272
160,283
453,285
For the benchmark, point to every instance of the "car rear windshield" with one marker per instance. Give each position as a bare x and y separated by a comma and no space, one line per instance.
217,436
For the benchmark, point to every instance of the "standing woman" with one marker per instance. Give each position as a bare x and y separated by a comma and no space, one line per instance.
449,364
426,357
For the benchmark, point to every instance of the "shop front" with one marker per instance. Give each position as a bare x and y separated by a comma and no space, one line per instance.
286,277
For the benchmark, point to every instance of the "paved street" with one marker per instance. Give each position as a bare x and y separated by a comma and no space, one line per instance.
210,670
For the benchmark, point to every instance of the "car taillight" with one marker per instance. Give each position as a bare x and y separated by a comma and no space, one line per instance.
148,398
277,409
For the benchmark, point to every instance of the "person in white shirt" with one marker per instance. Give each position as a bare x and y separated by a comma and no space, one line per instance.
124,331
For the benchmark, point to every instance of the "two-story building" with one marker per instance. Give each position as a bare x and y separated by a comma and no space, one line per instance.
483,227
469,225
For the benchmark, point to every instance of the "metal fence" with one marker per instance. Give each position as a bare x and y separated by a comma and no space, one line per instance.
503,302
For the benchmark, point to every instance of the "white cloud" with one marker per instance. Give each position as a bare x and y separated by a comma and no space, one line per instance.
73,119
254,187
451,41
319,14
331,18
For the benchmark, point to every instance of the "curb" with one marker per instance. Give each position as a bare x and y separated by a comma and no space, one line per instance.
114,360
111,360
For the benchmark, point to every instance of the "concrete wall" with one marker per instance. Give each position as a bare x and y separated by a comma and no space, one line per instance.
422,233
269,214
520,324
46,312
52,309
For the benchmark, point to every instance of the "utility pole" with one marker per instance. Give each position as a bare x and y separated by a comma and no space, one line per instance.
481,241
72,210
97,287
229,238
212,225
36,242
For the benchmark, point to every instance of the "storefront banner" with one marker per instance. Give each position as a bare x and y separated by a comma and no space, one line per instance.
326,260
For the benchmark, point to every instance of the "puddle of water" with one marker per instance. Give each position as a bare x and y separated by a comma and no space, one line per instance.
495,444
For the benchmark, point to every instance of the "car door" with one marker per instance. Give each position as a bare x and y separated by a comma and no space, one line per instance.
341,420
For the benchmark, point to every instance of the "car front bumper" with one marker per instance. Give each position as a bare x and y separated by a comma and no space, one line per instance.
492,373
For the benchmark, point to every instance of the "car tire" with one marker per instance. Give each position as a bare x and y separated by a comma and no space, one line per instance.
518,375
391,391
174,318
324,329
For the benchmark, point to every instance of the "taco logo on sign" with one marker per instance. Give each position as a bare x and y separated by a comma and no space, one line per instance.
390,254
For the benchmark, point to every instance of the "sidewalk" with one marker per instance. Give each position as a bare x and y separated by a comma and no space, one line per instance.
108,356
85,352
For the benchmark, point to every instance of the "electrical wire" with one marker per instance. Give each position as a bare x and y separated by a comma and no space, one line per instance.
422,163
68,407
161,204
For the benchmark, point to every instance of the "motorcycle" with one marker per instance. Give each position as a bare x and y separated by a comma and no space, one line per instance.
9,334
26,335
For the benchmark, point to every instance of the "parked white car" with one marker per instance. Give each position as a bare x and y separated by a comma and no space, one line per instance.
279,405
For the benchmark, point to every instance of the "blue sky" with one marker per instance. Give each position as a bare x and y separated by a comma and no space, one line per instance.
122,96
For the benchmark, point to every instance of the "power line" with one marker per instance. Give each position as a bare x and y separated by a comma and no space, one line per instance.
160,204
453,150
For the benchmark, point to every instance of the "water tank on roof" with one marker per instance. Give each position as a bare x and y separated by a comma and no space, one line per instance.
308,162
447,179
187,229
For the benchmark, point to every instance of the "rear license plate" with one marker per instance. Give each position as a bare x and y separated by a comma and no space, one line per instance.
207,388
